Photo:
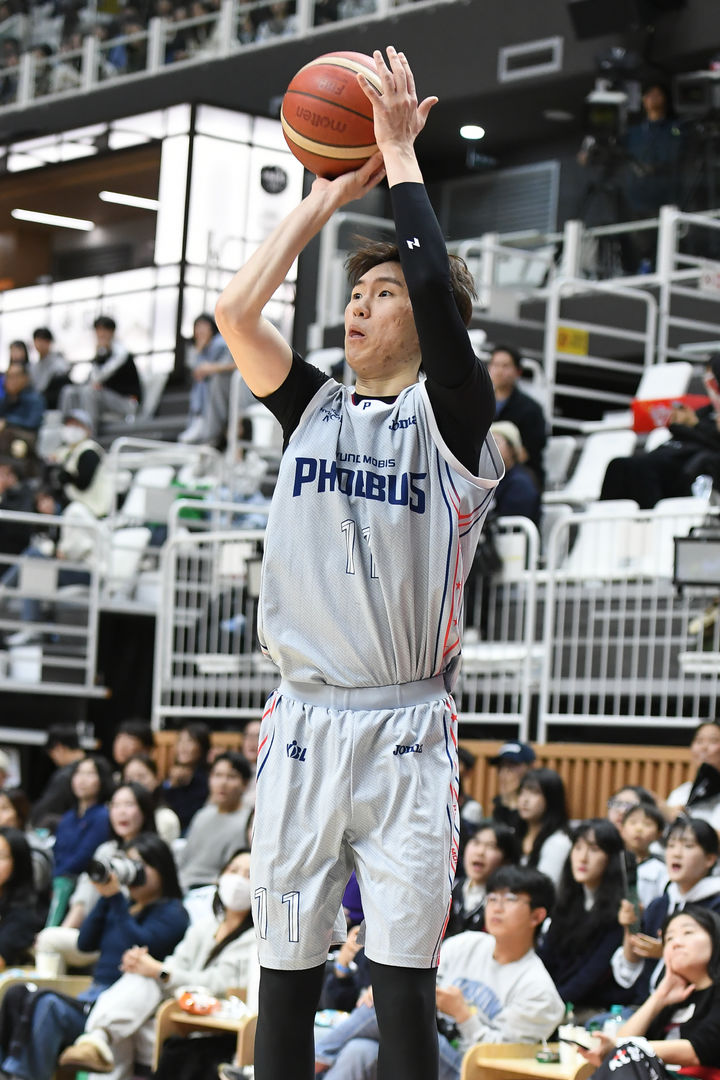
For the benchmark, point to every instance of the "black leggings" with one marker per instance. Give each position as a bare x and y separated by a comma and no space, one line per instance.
404,1003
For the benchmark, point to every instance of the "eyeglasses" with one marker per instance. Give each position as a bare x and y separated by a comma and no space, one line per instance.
620,804
501,899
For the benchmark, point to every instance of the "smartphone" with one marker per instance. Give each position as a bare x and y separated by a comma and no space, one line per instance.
629,875
575,1042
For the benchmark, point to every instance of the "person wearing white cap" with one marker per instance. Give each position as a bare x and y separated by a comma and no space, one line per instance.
517,494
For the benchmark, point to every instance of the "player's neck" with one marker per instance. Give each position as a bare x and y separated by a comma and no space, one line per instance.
383,386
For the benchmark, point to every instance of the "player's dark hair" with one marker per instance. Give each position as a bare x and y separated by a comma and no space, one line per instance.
505,838
512,352
62,735
555,817
369,253
236,761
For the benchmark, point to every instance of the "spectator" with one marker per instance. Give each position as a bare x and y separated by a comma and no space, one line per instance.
251,738
678,1023
14,814
625,799
643,826
42,55
517,494
132,737
701,799
491,987
541,805
214,831
9,61
217,954
81,829
36,1025
212,369
114,383
79,472
280,23
669,470
186,788
471,811
492,845
130,813
142,769
584,931
19,915
512,404
16,495
691,853
21,409
66,73
513,761
18,354
62,745
51,371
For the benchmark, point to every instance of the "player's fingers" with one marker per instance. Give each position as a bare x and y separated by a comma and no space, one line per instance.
424,108
409,77
382,68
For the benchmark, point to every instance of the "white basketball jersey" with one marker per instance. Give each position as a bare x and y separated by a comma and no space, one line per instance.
372,529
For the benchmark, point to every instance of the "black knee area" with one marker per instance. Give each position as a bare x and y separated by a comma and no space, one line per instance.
406,1014
284,1043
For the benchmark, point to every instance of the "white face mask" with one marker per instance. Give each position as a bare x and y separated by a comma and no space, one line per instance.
72,433
234,890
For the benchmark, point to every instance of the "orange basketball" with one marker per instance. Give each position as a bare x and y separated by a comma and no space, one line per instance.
326,118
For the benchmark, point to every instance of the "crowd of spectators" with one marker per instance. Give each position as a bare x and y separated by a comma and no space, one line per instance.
54,30
144,883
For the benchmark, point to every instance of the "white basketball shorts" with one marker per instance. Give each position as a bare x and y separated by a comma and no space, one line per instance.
351,784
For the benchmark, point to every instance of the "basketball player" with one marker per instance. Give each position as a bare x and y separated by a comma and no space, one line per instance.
380,497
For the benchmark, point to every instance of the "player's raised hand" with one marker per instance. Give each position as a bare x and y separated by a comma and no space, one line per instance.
398,118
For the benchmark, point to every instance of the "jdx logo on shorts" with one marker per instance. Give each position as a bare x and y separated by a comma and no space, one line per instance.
416,748
294,751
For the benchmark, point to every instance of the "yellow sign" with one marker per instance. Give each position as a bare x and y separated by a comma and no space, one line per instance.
573,341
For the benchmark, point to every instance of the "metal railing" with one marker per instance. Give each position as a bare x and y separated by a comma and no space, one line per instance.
148,51
689,278
49,609
614,626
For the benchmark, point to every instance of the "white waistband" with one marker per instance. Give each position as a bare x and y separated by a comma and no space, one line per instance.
365,697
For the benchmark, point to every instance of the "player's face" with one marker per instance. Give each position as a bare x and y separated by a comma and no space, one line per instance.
381,341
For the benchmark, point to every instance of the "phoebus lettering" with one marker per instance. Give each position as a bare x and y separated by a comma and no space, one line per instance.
405,489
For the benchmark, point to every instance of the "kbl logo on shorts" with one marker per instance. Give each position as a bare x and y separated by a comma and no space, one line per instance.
294,751
416,748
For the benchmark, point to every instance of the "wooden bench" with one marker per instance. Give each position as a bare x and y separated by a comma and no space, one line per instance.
515,1061
590,772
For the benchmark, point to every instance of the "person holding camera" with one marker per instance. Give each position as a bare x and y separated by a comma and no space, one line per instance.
130,812
35,1025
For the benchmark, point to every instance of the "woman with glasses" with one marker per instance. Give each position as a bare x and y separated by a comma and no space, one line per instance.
584,932
625,799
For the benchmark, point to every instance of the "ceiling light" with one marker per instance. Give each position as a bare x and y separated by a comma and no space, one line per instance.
53,219
129,200
472,131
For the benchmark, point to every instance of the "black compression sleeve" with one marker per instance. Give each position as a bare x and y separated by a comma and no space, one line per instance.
289,401
458,384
